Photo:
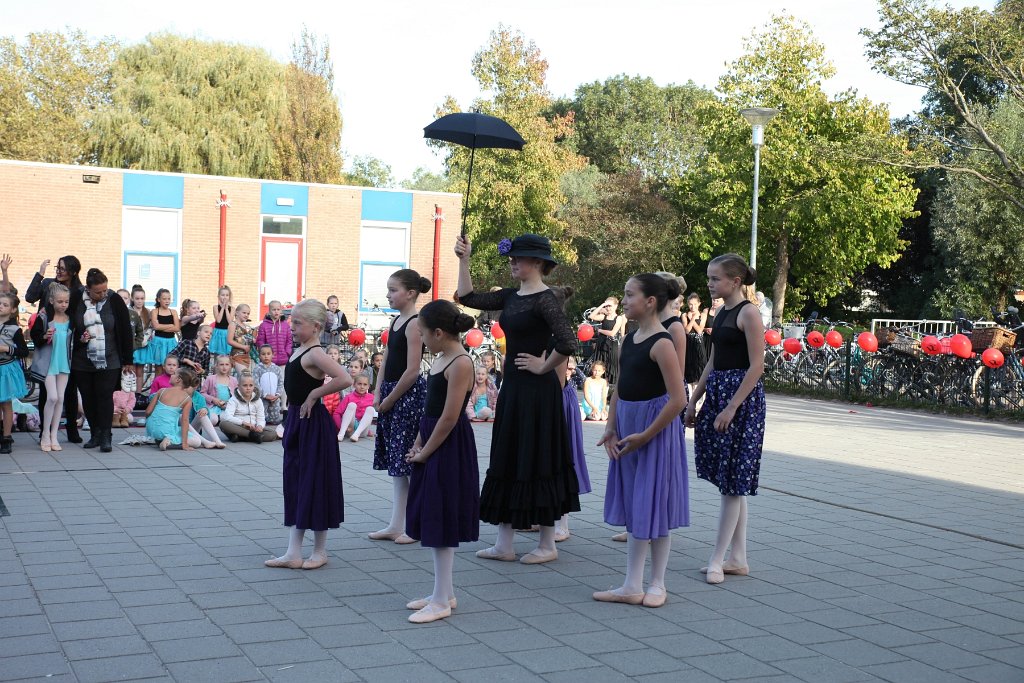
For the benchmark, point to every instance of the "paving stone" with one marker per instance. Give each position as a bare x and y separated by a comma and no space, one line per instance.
34,666
731,666
857,653
231,670
303,672
911,672
104,645
132,667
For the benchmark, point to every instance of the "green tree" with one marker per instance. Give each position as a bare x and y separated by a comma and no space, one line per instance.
50,86
824,213
193,106
369,171
978,233
965,59
426,180
513,192
308,141
629,123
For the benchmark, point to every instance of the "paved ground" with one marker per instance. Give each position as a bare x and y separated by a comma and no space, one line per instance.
884,546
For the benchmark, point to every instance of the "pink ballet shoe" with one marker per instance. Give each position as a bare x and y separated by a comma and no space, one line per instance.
734,570
281,563
55,446
423,602
316,563
655,599
626,599
561,536
621,538
384,535
405,540
714,576
493,554
539,557
430,613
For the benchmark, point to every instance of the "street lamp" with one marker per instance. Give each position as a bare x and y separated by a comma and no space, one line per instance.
757,117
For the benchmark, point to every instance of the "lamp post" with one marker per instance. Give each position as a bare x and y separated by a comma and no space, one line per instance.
757,117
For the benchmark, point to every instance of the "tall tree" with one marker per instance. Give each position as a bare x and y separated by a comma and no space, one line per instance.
513,192
629,123
965,59
188,105
50,87
369,171
309,139
426,180
978,233
824,215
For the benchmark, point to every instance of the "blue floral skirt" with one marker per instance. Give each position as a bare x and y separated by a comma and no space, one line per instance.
397,428
730,460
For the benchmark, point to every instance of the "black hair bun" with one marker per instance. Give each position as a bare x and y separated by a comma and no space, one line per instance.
751,277
567,292
424,285
672,284
464,323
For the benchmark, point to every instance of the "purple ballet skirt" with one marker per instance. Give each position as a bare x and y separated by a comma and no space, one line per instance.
571,404
444,492
732,460
312,471
647,489
396,429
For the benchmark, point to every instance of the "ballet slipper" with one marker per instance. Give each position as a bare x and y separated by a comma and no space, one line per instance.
714,576
384,535
220,444
735,570
561,536
55,445
626,599
493,554
44,447
284,563
405,539
423,602
354,439
314,562
621,538
655,599
165,443
430,613
539,556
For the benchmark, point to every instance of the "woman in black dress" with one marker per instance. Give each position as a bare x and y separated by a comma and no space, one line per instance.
531,478
610,329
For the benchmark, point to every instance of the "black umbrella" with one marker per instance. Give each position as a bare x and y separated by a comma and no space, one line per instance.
472,129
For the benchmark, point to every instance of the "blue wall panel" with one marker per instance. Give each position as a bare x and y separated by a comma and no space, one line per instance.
387,206
155,191
270,192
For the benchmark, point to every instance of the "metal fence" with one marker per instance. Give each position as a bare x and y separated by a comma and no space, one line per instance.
900,375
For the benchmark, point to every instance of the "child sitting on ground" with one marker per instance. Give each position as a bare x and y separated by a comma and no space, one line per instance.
243,415
483,398
163,378
270,381
595,394
199,416
355,414
167,415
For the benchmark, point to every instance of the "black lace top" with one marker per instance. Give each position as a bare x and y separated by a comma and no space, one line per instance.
728,340
529,321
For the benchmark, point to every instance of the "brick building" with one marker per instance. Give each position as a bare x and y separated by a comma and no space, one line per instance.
283,240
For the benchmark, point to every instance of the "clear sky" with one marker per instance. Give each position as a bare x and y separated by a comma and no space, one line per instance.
396,60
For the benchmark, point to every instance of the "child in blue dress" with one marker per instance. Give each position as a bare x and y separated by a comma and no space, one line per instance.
51,360
400,397
646,492
168,413
12,377
444,498
729,431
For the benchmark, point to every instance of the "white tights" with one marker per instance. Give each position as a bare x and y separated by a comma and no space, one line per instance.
401,498
364,424
444,561
204,427
732,529
295,544
55,385
636,557
506,534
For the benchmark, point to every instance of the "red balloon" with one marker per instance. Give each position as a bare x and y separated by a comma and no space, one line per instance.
772,337
357,337
816,339
585,333
497,332
960,345
993,358
867,342
931,345
384,337
793,346
834,339
474,338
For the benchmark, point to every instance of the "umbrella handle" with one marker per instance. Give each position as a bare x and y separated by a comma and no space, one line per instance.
469,184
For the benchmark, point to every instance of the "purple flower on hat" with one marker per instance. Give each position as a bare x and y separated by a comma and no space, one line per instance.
504,246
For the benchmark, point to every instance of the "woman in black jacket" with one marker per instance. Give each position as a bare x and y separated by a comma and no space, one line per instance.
102,350
68,268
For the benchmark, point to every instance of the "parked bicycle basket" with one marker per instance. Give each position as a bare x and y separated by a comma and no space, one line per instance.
992,338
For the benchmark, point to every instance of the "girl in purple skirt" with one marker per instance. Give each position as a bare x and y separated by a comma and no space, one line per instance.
644,440
444,494
400,397
730,427
312,466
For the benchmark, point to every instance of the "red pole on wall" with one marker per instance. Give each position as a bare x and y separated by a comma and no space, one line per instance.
438,219
223,204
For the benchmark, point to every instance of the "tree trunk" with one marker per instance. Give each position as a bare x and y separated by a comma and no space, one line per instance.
781,277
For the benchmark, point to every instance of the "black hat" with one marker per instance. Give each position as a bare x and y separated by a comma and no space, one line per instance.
532,246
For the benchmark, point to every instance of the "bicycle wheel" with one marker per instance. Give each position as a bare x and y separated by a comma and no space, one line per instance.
809,371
